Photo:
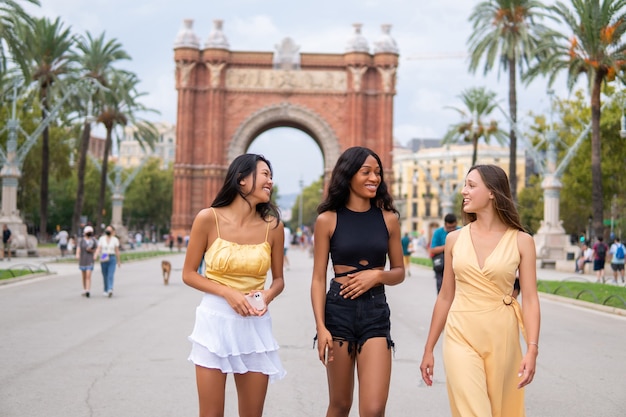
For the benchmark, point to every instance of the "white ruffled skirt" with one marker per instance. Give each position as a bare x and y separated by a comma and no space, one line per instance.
224,340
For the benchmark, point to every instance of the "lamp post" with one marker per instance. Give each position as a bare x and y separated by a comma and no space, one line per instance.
12,160
551,240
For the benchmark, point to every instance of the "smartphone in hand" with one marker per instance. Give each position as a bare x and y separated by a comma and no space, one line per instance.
326,355
256,300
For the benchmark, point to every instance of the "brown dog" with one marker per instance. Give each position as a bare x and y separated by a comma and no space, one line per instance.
166,267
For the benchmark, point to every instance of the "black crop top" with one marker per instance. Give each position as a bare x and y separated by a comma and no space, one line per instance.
360,239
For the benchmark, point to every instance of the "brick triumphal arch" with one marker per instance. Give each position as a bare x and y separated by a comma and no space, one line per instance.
228,98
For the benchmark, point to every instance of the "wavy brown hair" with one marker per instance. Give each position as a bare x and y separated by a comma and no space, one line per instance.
497,182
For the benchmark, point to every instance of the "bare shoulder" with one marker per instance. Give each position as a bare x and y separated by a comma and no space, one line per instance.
390,216
205,214
453,235
391,220
524,239
326,219
276,225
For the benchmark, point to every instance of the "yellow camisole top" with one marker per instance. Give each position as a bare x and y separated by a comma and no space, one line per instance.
240,266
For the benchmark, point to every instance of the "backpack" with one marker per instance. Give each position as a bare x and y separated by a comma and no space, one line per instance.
619,253
601,250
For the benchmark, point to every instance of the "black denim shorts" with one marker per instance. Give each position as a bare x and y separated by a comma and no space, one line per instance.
355,321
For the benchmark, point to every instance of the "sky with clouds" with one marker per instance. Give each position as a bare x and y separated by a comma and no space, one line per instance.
431,35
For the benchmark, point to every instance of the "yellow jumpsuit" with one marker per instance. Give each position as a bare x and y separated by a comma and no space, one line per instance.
481,348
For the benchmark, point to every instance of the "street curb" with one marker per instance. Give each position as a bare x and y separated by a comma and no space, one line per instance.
585,304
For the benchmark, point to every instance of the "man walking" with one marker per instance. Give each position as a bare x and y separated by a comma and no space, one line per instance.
438,244
7,236
406,252
599,258
617,259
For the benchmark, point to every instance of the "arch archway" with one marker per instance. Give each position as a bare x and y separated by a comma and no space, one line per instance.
227,98
287,115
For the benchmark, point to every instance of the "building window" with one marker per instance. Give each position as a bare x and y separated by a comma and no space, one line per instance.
414,191
427,214
414,210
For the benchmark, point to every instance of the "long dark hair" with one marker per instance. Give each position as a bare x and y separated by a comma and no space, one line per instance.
348,164
496,181
241,167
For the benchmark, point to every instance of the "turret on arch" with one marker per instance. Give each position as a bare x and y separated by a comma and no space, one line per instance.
228,98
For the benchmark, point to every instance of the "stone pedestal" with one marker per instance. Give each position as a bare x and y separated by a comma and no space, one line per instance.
551,241
21,241
553,246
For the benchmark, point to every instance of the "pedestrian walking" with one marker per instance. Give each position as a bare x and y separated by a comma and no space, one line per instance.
358,227
240,237
85,254
485,368
108,253
617,260
7,237
286,245
407,249
62,237
437,247
599,258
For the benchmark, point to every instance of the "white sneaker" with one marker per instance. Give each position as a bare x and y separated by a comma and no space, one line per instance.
105,294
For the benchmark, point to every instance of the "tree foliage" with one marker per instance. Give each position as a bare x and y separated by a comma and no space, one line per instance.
506,33
478,103
312,197
592,44
576,195
148,202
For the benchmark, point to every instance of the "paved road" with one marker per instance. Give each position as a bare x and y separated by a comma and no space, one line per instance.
67,356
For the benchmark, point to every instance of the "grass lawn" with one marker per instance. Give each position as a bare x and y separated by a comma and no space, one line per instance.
126,255
609,295
20,271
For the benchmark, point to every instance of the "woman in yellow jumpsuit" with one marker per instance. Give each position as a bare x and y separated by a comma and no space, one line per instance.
485,368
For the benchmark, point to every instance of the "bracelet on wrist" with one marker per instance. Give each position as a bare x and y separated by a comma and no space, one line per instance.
534,343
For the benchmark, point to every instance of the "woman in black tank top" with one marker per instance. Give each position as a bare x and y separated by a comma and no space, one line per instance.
358,228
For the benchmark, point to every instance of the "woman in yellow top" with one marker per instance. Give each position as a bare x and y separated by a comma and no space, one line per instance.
485,368
240,237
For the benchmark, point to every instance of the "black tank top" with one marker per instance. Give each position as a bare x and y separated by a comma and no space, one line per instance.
360,240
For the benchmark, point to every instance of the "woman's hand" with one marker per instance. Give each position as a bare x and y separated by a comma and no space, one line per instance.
527,367
359,283
325,340
256,311
427,365
238,302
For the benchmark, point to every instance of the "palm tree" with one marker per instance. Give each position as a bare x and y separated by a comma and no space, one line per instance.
47,60
96,57
479,104
11,15
120,106
593,46
505,33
